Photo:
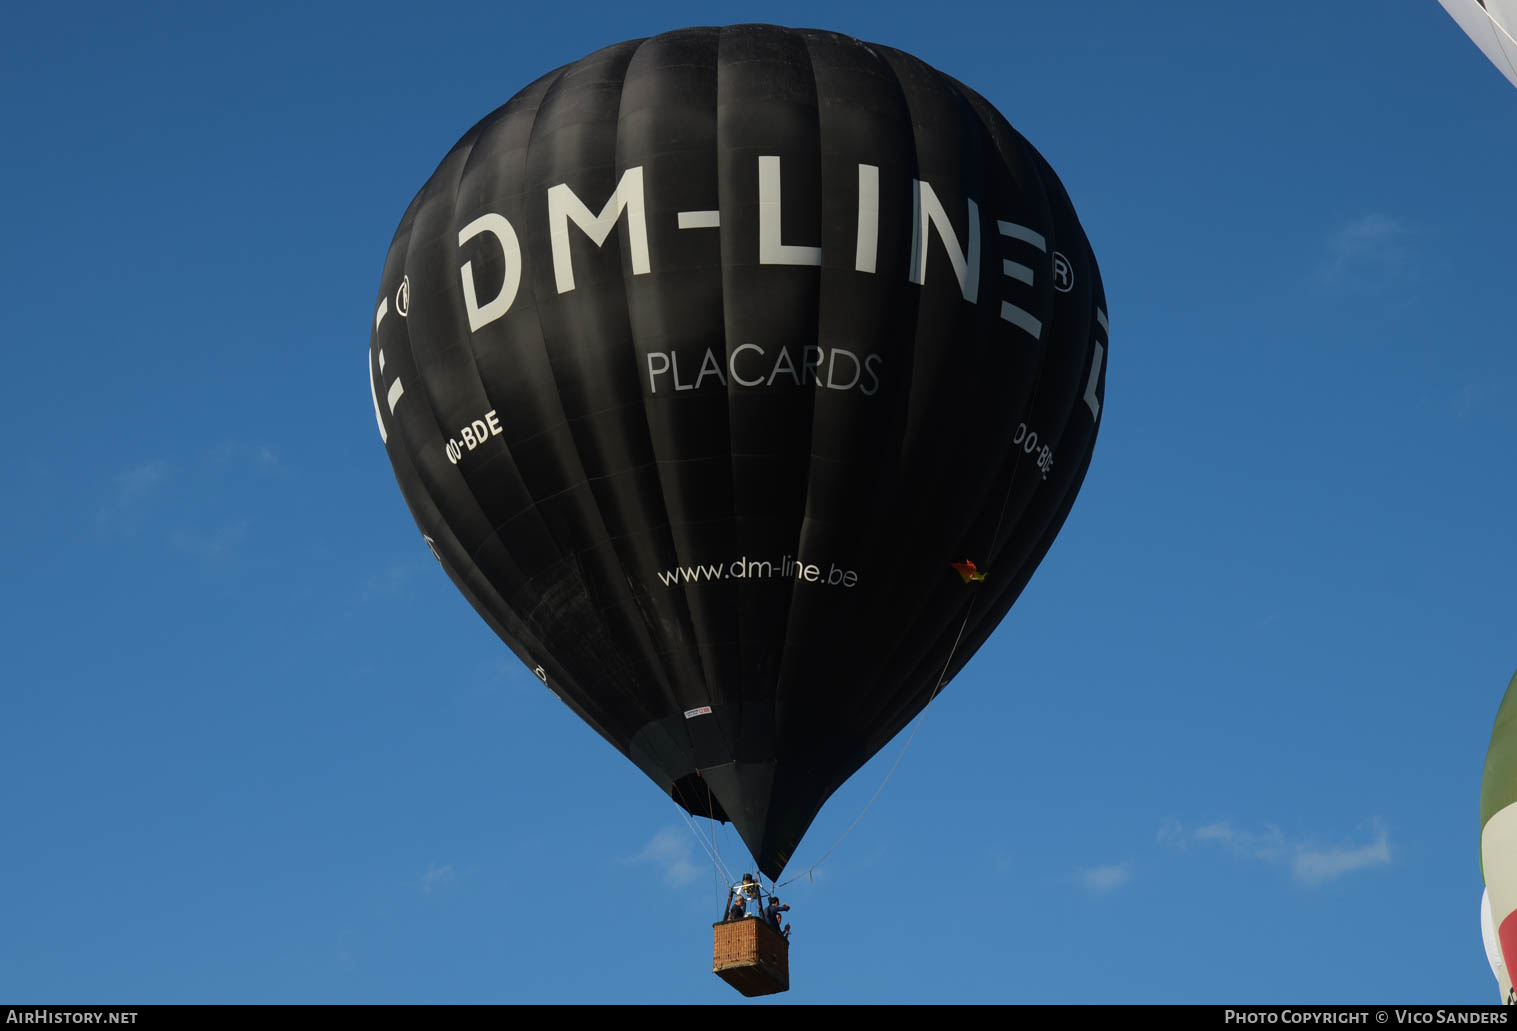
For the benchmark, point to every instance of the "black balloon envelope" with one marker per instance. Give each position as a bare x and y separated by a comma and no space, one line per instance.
703,360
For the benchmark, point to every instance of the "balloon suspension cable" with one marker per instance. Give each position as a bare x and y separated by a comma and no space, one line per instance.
706,847
716,838
942,679
712,848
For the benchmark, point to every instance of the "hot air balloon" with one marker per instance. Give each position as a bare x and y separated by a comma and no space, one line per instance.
698,363
1498,839
1492,24
1493,948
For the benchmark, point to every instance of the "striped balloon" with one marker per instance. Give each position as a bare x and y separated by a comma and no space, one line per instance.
1498,839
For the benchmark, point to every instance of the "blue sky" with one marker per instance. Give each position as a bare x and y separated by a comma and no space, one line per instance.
257,749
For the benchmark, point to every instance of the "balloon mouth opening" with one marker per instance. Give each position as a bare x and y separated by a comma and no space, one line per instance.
693,794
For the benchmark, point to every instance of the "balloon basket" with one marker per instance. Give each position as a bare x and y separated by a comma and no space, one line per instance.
751,956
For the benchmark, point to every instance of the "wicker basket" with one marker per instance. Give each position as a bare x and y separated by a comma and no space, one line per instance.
751,956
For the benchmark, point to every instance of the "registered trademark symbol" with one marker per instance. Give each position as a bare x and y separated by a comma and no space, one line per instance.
403,297
1063,274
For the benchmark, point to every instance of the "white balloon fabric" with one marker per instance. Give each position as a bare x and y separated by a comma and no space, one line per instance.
1493,947
1492,24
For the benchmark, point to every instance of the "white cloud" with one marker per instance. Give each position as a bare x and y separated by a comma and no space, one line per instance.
131,490
391,582
1269,845
1483,398
435,877
509,669
1314,865
670,851
1098,880
1465,404
140,479
1366,252
1308,861
214,547
260,458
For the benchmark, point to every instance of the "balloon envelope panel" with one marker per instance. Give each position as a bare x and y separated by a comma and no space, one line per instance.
1493,948
701,359
1498,828
1492,24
